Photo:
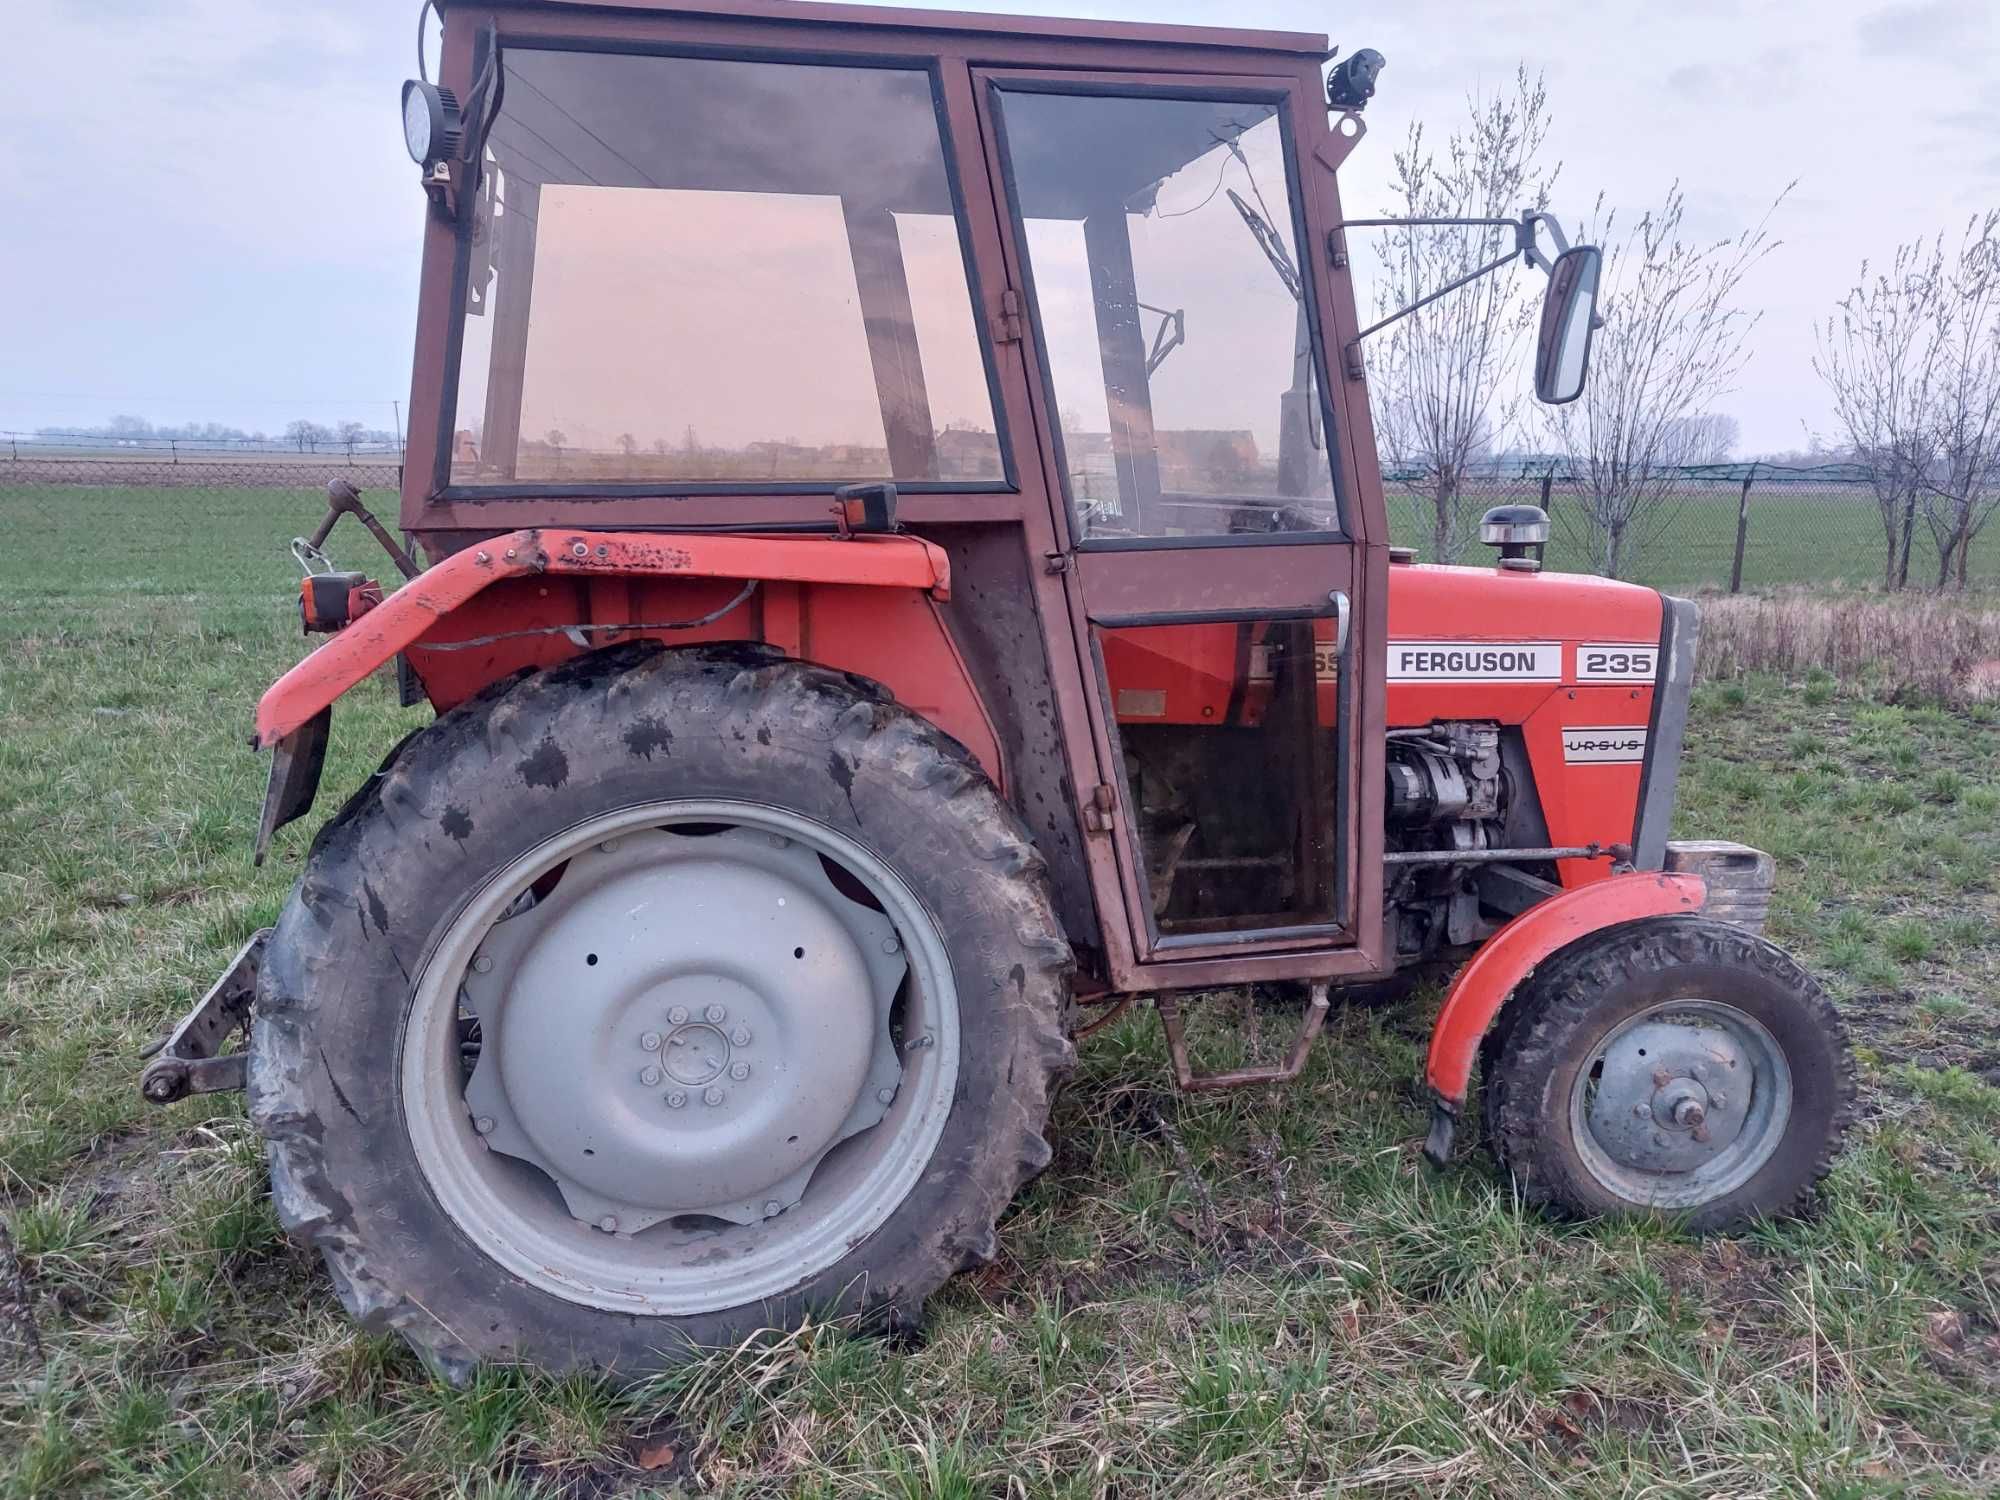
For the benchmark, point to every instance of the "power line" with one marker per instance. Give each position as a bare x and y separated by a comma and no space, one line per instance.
618,155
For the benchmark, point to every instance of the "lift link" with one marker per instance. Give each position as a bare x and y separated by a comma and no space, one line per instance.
189,1059
1236,1078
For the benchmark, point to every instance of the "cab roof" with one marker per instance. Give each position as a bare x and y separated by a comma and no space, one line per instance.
1052,28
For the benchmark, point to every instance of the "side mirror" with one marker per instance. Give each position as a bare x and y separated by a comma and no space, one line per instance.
1569,314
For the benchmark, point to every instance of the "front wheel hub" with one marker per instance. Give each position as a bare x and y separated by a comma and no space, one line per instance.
685,1025
1681,1104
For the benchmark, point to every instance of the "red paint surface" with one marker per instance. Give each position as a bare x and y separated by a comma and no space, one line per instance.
559,577
1191,668
1513,952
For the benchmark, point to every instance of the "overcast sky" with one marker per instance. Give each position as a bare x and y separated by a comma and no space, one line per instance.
206,211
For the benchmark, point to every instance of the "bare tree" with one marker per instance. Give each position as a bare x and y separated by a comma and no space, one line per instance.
1878,358
1708,439
1963,487
305,434
1671,341
1435,384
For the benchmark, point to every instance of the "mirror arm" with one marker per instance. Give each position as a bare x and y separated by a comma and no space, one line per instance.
1530,246
1448,287
1525,246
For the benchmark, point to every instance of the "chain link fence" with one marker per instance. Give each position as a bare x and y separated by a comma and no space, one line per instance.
1730,527
1736,527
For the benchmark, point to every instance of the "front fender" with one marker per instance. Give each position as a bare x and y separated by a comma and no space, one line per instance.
1512,953
406,615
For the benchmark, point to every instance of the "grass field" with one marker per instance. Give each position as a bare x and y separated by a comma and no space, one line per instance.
1238,1297
1797,534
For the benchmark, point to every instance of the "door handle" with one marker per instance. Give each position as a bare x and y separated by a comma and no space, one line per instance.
1343,614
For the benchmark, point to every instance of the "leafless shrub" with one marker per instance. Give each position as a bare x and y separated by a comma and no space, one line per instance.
1435,381
1911,358
1673,339
1964,489
1878,360
1907,649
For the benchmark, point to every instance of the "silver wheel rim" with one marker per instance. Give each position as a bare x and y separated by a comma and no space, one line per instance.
1681,1104
561,1152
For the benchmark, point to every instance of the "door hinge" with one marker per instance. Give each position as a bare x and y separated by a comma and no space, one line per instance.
1356,370
1007,327
1097,814
1055,562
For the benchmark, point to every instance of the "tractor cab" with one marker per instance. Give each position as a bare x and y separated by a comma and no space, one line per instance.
1073,302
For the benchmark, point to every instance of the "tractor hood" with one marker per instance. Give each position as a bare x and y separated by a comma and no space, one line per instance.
1428,602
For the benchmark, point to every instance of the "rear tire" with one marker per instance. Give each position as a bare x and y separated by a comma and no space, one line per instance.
1674,1066
361,1168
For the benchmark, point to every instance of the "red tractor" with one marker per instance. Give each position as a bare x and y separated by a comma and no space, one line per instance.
903,558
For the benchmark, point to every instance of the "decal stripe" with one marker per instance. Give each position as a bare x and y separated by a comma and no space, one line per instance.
1604,744
1475,661
1617,661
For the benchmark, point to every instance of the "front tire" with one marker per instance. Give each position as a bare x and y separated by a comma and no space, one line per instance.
1677,1066
456,1116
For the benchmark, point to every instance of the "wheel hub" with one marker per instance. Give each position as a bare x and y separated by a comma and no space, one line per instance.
1682,1103
685,1025
1654,1110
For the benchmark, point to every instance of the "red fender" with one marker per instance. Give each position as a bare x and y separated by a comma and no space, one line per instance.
402,618
1512,953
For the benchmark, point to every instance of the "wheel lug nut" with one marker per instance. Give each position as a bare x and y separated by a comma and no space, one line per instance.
890,945
482,964
678,1015
739,1071
887,1096
484,1124
711,1095
1718,1101
608,1224
1639,1110
740,1036
676,1099
716,1013
609,846
649,1075
772,1208
650,1041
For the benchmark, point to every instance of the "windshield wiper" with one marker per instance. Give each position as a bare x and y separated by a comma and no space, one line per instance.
1272,246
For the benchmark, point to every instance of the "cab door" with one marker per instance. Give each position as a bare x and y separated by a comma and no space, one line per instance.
1218,585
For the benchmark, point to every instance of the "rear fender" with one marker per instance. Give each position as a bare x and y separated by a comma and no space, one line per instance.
1512,954
293,715
406,615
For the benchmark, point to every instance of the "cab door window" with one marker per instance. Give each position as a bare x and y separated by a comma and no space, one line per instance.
1172,311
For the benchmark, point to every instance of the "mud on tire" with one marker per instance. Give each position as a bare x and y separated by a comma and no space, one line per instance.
1553,1027
515,767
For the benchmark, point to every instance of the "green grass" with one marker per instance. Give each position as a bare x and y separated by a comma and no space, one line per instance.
1304,1305
1798,534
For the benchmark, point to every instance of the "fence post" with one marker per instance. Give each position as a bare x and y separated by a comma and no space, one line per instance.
1548,479
1742,531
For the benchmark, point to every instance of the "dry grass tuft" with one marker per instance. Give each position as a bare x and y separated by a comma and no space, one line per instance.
1923,649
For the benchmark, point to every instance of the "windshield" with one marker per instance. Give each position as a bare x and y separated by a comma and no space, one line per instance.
1172,312
691,270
